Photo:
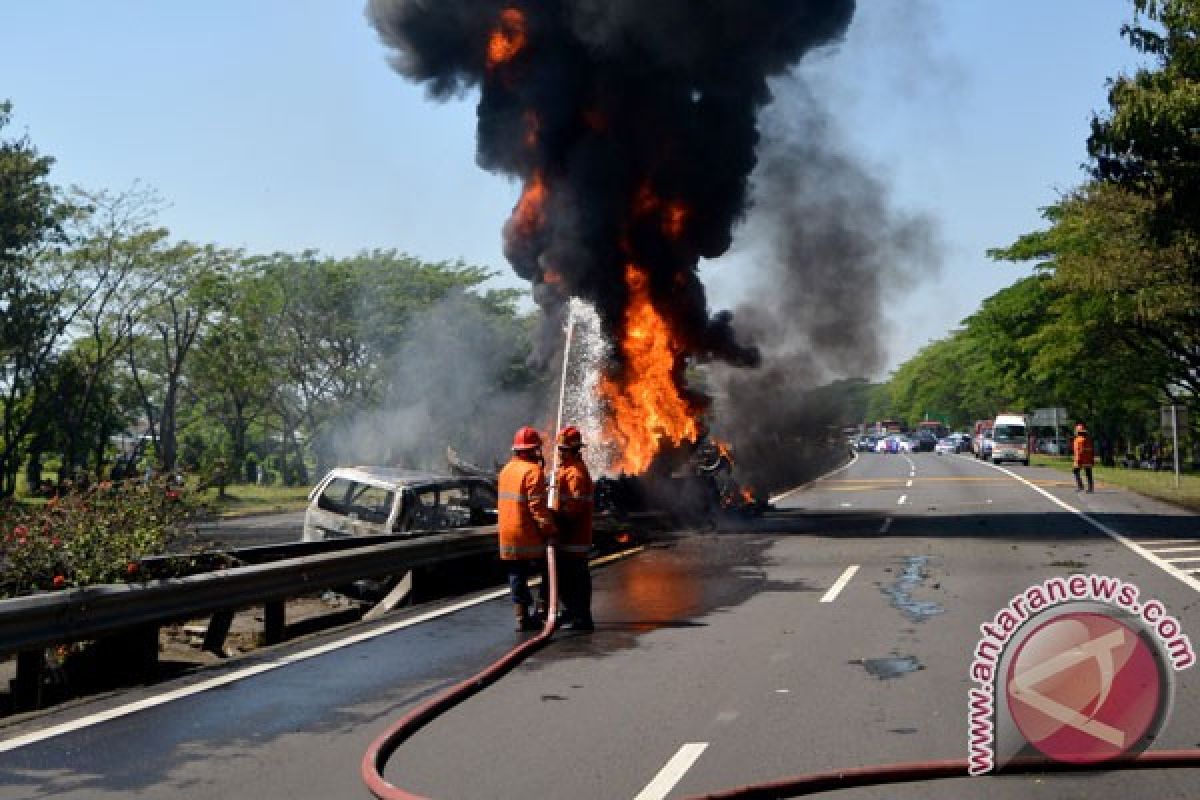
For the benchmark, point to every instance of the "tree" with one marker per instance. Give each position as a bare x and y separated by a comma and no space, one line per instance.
189,284
1140,221
35,309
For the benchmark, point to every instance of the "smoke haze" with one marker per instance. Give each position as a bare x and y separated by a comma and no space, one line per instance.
829,247
446,387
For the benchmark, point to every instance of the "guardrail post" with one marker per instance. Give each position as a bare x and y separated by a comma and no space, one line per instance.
26,688
218,629
274,622
129,653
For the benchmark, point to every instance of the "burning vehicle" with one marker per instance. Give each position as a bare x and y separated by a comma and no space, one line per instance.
634,150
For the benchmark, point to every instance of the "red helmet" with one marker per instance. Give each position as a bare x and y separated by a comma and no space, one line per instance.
527,439
569,438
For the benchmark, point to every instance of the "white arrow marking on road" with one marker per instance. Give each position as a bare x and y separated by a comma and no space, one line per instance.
673,772
840,584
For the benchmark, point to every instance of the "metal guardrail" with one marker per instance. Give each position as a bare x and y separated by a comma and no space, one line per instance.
28,623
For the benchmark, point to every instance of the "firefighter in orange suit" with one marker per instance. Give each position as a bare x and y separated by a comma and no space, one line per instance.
573,515
1085,457
525,523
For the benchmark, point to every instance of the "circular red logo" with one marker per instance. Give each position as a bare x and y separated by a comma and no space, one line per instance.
1085,687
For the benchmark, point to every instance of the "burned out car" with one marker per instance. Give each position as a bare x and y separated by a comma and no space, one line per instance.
367,501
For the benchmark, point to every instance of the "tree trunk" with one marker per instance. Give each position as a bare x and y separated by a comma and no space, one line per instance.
166,433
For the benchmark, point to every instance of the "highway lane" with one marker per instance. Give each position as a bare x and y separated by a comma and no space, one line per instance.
735,643
253,529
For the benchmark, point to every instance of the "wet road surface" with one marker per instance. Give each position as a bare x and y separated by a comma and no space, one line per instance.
835,632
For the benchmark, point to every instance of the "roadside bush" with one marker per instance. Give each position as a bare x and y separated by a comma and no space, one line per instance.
89,537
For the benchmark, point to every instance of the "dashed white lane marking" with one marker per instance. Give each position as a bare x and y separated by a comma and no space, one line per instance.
673,772
909,484
887,523
903,499
1161,563
830,474
257,669
839,584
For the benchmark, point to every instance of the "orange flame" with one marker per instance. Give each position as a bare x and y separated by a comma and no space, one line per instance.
508,38
748,496
674,220
647,409
529,216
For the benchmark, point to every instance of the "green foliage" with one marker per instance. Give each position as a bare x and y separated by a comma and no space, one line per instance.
88,537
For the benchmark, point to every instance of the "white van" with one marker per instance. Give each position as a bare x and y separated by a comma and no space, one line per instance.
1010,439
368,501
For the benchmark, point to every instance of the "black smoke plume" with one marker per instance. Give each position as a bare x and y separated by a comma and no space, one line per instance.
829,248
638,117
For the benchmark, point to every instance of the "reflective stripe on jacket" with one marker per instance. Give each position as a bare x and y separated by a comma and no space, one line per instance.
524,518
1085,454
575,505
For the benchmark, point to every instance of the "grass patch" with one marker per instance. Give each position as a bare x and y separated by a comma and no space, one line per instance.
1159,485
250,499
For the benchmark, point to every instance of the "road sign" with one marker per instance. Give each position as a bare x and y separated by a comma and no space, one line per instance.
1047,417
1180,420
1174,417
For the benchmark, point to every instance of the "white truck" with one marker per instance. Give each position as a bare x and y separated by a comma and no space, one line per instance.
1010,438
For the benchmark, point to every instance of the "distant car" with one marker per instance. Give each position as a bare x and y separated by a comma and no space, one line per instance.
866,444
925,442
366,501
946,446
905,445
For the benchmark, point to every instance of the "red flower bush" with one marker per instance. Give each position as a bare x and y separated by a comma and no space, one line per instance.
90,537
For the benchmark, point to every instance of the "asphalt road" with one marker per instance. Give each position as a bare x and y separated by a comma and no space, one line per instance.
254,529
721,658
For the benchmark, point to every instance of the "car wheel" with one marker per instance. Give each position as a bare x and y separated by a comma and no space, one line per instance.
1025,462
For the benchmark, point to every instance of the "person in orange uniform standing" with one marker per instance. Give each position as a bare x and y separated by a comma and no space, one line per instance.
573,516
1085,456
525,522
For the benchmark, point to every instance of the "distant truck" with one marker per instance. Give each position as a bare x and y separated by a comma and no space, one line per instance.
938,429
1010,438
978,435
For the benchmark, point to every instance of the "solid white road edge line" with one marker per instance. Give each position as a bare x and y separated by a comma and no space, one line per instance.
831,473
1161,563
673,772
257,669
839,584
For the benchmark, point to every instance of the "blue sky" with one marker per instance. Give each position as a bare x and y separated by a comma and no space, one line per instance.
278,125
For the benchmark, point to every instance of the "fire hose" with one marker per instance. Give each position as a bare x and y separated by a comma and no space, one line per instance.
377,755
375,759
